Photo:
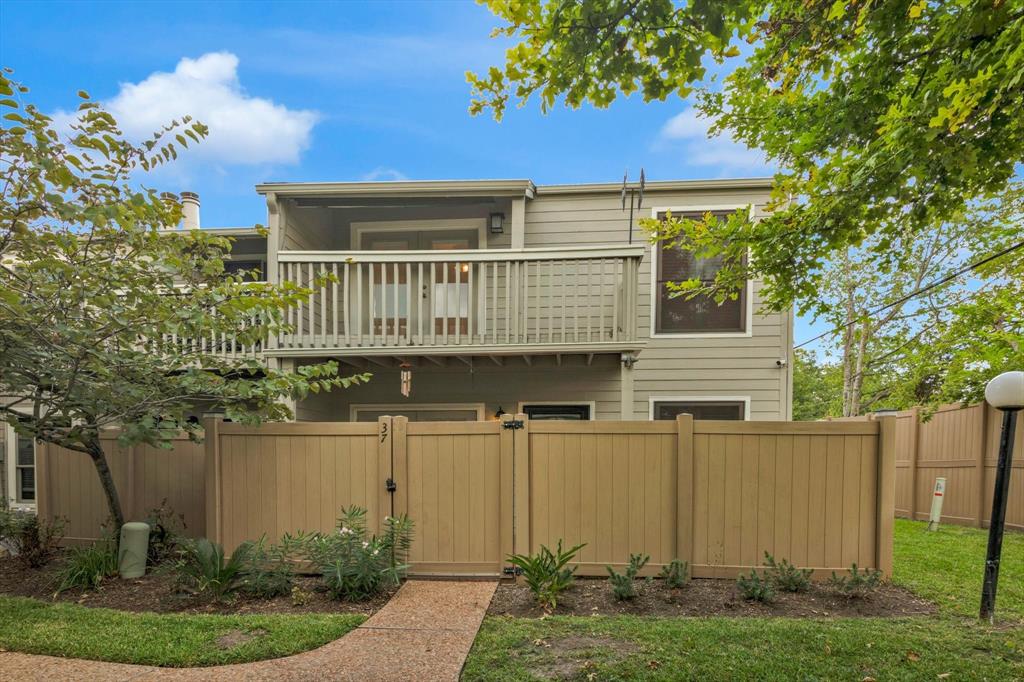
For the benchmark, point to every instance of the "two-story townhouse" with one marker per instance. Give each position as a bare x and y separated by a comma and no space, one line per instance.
504,296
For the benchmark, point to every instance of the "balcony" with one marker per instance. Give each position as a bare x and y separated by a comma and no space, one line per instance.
488,302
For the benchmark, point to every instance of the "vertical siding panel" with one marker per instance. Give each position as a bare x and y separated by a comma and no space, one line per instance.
783,521
851,499
653,505
668,512
620,497
702,500
868,500
445,491
572,481
747,503
766,497
834,501
816,501
636,495
604,527
539,481
588,498
733,497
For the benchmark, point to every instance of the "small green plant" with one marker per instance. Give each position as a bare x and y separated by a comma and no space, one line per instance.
857,583
31,540
547,573
786,576
201,567
166,530
754,587
676,573
268,569
86,567
624,584
356,565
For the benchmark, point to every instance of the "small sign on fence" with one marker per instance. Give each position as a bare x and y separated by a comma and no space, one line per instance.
937,496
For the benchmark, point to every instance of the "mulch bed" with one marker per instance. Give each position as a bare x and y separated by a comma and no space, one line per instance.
704,597
159,592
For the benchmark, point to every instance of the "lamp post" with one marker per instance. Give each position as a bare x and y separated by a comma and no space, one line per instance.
1005,393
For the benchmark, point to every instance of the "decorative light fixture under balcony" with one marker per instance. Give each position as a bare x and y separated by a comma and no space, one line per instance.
496,222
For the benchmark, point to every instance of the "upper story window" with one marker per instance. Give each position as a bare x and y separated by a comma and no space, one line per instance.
255,269
701,313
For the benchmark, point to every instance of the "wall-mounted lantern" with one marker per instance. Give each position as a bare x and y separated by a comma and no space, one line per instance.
496,223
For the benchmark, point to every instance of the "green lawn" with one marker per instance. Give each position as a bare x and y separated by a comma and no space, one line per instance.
62,629
943,566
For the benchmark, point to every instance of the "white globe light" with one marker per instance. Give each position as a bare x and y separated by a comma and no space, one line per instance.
1006,391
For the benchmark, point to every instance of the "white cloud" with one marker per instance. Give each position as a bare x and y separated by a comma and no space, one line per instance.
243,129
688,132
383,173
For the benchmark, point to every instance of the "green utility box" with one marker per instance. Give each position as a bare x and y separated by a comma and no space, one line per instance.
131,554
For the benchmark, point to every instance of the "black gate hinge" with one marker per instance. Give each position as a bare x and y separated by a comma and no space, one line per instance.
513,424
390,485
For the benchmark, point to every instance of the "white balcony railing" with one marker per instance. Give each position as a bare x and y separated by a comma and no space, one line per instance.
486,299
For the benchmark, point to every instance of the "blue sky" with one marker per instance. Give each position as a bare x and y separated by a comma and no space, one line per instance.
334,91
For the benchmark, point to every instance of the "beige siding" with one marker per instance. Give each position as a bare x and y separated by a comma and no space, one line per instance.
484,382
713,366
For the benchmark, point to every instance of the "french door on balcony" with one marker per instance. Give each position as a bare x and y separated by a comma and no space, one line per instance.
446,291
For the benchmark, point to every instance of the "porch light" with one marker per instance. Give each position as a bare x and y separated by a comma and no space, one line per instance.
465,267
499,413
496,223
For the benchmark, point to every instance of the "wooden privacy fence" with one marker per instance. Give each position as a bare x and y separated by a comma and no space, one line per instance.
717,494
69,488
960,444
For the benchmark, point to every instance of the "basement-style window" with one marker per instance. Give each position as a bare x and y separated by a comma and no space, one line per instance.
700,314
700,409
554,411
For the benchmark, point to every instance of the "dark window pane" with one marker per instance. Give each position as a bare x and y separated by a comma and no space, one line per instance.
574,412
26,453
254,269
701,313
26,484
700,410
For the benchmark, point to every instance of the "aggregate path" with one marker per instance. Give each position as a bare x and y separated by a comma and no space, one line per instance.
424,633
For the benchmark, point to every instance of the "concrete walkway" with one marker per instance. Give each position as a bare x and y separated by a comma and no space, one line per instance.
424,633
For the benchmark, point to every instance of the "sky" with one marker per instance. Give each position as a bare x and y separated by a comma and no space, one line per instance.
335,91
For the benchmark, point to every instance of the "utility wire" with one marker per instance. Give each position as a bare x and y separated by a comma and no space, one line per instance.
917,292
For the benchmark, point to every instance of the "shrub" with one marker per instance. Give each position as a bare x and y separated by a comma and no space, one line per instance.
786,576
624,584
166,531
547,573
268,568
754,587
356,565
86,567
858,583
202,568
676,573
31,540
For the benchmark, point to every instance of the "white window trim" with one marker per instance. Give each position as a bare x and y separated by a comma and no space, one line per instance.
369,227
354,409
592,404
749,297
745,399
11,463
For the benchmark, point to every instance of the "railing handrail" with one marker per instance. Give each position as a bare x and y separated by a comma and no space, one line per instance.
465,255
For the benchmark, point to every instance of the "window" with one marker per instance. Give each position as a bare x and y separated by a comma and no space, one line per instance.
420,412
700,409
700,314
254,268
549,411
25,470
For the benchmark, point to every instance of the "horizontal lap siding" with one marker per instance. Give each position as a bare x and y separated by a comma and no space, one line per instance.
744,366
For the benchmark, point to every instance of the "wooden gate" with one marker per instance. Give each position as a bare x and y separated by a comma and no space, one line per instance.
453,479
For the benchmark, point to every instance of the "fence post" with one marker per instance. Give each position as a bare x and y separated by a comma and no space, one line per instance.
684,487
915,447
211,440
979,466
400,465
43,489
521,486
506,511
385,468
885,494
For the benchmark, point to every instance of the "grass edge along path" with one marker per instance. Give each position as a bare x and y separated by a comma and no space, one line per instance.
173,640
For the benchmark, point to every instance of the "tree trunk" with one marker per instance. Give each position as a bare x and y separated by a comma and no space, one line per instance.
99,460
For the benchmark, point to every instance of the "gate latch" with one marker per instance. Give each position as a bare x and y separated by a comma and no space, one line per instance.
390,485
512,570
513,424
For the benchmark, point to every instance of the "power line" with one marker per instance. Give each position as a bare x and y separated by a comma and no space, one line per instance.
918,292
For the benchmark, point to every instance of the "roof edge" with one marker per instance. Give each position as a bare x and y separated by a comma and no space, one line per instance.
401,188
659,185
